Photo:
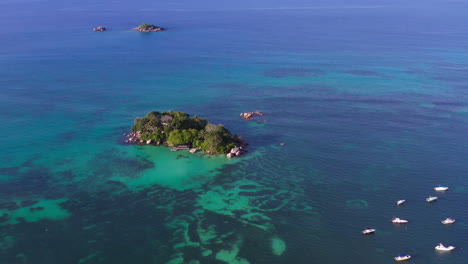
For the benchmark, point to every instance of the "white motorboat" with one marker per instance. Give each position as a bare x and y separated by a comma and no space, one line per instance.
400,202
431,199
194,150
441,188
402,257
368,231
397,220
441,247
448,221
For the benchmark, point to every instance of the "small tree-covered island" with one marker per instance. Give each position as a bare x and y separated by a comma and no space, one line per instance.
148,28
180,131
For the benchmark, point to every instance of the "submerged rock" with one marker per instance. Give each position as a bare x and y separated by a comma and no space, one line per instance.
357,204
278,246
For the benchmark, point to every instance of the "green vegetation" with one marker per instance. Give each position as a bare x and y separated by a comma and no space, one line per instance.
178,128
148,27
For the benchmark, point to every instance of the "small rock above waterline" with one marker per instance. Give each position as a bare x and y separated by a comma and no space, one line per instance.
251,115
236,152
148,28
100,29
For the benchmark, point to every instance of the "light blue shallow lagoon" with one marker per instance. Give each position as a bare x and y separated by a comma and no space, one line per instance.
364,105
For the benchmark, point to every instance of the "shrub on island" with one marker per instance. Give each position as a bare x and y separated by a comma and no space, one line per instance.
178,128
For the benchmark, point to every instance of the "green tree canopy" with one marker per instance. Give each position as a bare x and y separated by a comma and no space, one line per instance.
178,128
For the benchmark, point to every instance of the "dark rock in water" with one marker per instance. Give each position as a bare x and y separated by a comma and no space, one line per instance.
118,183
9,205
367,73
39,208
28,203
20,219
66,136
4,218
293,72
248,187
249,194
182,157
111,162
273,204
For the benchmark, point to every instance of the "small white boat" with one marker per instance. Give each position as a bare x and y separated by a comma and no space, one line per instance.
431,198
402,257
397,220
194,150
368,231
400,202
441,188
448,221
441,247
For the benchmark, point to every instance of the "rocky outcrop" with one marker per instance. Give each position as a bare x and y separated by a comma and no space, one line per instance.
133,137
148,28
236,152
100,29
251,115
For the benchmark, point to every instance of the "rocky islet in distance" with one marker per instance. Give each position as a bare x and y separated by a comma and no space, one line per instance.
148,28
100,29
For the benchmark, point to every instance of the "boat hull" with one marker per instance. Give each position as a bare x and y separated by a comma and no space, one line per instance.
439,248
448,221
399,221
368,231
402,258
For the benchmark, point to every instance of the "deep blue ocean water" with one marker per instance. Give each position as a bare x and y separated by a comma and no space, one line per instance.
370,101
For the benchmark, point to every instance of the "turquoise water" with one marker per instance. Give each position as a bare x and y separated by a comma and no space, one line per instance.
370,103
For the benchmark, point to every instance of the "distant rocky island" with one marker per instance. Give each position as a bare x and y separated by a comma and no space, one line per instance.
148,28
180,131
99,29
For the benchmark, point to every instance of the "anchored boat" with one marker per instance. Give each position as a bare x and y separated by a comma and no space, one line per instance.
368,231
441,188
431,198
448,221
397,220
441,247
399,202
402,257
